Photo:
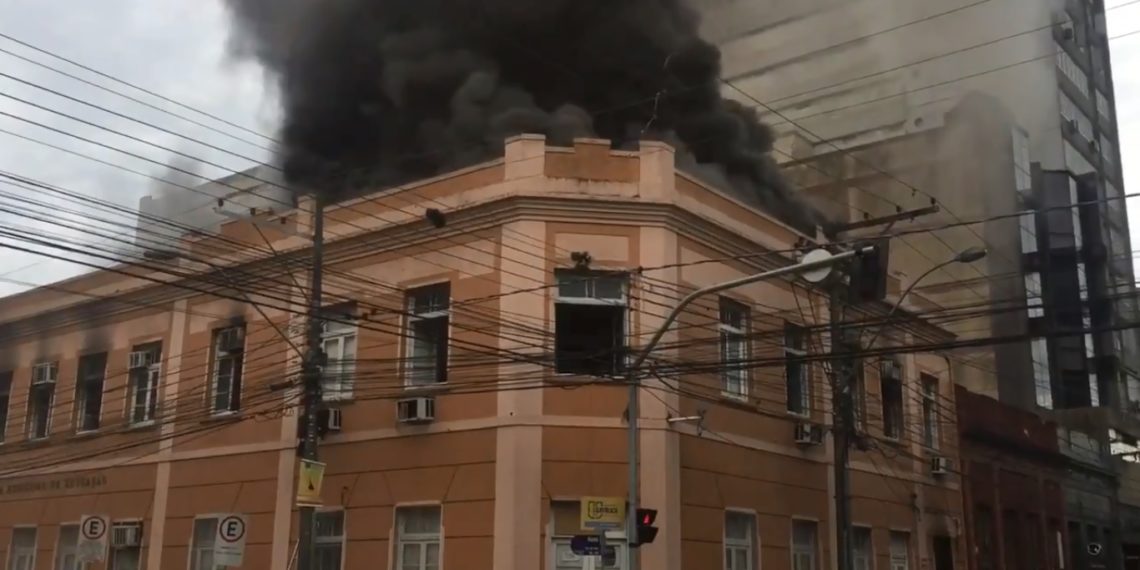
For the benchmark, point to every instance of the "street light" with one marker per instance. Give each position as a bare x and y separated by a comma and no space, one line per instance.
814,266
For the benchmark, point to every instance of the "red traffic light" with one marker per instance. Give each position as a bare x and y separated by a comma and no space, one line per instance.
646,532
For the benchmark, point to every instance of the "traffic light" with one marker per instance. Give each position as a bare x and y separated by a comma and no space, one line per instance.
646,532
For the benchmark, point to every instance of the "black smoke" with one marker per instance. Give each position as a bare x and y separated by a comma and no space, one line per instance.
380,92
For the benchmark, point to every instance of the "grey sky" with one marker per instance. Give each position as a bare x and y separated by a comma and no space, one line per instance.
177,48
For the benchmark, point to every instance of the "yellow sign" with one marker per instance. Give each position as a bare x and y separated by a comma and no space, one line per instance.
309,479
603,512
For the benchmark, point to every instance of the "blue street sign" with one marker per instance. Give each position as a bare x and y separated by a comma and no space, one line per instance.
590,545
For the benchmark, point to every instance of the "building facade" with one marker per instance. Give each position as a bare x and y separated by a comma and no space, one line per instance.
470,399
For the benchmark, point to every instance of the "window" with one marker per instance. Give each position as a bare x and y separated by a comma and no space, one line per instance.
1075,161
1073,114
338,340
900,550
1028,222
930,415
566,524
1108,152
803,545
734,323
417,538
1043,384
859,393
1072,71
89,391
1074,199
427,330
862,558
891,392
41,397
796,370
589,324
229,355
23,554
1022,169
66,554
202,547
1033,306
739,541
984,537
1102,107
145,365
5,401
126,557
329,540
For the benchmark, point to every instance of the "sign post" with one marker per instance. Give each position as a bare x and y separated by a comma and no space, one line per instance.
229,544
92,545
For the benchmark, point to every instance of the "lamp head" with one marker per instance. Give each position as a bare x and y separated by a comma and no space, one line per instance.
971,254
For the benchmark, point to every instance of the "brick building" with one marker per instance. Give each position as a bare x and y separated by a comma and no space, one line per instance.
469,405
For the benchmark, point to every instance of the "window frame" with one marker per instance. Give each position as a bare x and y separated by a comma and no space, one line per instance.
931,434
738,339
149,378
796,549
83,384
891,554
422,539
340,541
870,554
899,423
193,560
442,363
591,298
236,373
333,329
5,403
11,562
792,356
31,431
751,545
58,563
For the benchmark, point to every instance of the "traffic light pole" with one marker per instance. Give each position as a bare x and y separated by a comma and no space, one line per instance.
820,259
311,377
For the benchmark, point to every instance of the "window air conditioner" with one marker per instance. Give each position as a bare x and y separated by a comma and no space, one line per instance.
808,434
415,410
333,420
44,373
140,359
940,465
126,535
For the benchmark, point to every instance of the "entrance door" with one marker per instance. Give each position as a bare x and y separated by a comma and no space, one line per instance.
943,547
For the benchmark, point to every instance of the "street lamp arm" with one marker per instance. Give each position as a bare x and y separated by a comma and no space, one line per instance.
644,353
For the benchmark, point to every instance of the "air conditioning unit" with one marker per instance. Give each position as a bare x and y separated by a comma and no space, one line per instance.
333,420
415,410
126,535
808,434
231,339
940,465
140,359
45,373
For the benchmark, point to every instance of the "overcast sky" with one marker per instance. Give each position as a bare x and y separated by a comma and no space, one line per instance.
177,48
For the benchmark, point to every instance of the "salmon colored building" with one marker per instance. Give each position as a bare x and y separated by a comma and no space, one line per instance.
469,392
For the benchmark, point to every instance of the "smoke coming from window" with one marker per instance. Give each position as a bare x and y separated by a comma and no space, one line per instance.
379,92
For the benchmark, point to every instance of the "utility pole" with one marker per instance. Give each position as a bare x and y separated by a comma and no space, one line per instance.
843,424
814,267
311,381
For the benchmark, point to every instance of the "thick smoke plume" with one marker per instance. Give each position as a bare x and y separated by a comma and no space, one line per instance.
380,92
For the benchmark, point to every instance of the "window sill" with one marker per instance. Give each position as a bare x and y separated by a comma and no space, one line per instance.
738,401
571,378
38,441
435,388
799,416
223,417
141,426
86,434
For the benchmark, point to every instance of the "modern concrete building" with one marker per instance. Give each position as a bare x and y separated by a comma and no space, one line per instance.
470,400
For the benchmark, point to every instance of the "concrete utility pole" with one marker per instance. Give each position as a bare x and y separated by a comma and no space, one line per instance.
843,424
814,267
311,381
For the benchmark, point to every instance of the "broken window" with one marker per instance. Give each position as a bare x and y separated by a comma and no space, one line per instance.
229,354
427,331
891,389
89,391
40,399
589,323
733,348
